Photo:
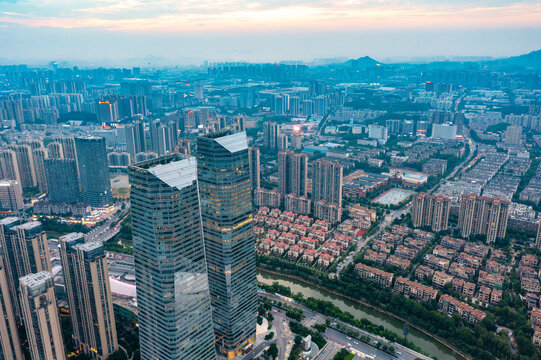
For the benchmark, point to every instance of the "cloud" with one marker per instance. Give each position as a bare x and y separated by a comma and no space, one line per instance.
233,15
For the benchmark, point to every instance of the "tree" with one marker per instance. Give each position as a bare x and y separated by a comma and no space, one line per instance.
118,355
272,351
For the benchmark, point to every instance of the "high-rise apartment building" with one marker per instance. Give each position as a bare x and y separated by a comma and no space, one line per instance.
329,212
255,167
226,208
39,155
135,139
9,167
163,137
307,107
25,164
11,195
428,210
327,181
378,132
27,247
513,135
86,278
292,173
265,197
54,150
483,215
8,244
108,111
294,106
538,237
271,132
63,184
40,314
10,345
444,131
93,171
68,147
175,319
33,143
297,204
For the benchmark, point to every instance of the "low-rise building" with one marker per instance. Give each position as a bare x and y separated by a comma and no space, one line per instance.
414,290
423,272
440,279
309,256
395,261
450,306
378,276
325,260
377,257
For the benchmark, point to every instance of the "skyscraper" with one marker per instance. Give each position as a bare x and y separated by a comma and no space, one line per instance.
40,315
226,208
63,185
255,164
10,346
175,319
428,210
483,215
292,173
135,139
327,182
93,171
89,294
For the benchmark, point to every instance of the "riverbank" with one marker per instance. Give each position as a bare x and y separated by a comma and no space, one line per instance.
309,283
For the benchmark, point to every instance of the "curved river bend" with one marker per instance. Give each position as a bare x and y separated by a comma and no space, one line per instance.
432,347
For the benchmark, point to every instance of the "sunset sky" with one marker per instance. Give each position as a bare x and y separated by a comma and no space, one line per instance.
190,31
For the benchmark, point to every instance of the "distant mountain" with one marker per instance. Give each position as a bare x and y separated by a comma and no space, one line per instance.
362,62
530,60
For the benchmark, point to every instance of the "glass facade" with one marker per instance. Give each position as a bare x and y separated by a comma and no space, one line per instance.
93,171
63,185
226,207
175,319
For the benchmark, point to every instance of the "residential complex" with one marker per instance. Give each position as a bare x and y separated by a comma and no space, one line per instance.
483,215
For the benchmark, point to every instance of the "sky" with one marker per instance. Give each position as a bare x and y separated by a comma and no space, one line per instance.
128,32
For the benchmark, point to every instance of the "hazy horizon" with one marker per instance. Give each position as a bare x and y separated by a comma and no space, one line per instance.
129,32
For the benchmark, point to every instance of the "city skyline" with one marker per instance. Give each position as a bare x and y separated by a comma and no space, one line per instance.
164,32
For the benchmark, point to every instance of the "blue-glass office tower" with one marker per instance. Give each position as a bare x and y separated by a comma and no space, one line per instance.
93,171
175,318
61,175
226,208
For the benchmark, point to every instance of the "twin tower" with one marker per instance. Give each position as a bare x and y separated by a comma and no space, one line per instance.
194,251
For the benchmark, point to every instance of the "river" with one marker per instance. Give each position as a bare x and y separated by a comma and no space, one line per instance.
430,346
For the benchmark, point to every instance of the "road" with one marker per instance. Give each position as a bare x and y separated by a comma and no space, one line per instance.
388,220
511,338
105,232
337,338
